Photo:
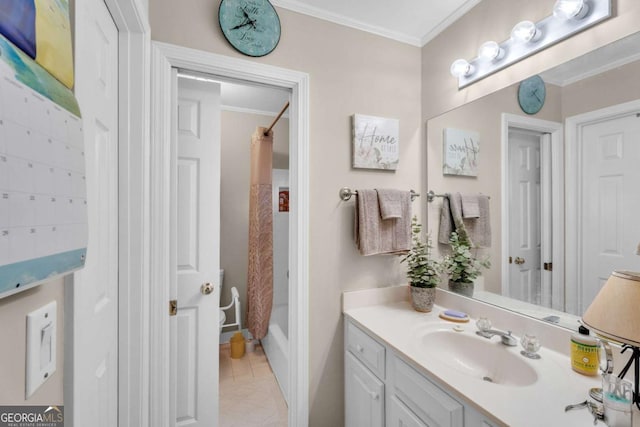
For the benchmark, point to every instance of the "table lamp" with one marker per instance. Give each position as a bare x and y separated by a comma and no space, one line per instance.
615,314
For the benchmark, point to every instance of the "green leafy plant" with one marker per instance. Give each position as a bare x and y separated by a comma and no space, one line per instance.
423,271
461,265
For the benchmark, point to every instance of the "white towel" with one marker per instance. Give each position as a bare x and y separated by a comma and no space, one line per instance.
391,202
375,236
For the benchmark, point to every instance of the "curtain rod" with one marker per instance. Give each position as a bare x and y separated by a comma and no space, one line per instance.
266,133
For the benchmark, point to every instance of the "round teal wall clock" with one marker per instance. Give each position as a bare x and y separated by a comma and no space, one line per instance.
250,26
531,94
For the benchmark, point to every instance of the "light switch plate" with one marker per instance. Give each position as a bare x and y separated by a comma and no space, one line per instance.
41,346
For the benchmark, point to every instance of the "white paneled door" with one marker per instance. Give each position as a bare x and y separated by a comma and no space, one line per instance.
197,237
94,294
610,203
524,216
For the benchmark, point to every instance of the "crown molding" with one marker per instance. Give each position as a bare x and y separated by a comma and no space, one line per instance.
244,110
457,14
299,7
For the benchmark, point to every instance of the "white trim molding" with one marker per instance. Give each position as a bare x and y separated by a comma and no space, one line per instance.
130,17
336,18
575,172
557,198
165,57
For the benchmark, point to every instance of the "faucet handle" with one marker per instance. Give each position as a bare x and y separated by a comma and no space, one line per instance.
509,339
483,324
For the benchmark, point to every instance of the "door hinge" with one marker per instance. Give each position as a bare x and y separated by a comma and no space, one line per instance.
548,266
510,260
173,307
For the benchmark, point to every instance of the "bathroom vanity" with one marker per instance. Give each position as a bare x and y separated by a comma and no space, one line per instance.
405,368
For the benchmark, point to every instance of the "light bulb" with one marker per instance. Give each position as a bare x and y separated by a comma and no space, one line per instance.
461,67
490,51
570,9
525,32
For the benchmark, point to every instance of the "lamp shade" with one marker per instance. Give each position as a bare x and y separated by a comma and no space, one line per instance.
615,311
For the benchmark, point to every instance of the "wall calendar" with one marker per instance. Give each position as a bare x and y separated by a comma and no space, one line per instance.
43,204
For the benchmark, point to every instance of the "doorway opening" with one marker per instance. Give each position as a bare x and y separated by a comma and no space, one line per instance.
166,59
252,386
532,202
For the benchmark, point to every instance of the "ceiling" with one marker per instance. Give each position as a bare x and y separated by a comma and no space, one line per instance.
410,21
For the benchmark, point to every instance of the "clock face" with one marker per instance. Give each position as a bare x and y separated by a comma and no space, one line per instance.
251,26
531,94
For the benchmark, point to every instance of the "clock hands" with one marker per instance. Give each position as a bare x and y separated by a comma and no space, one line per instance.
247,21
535,93
244,24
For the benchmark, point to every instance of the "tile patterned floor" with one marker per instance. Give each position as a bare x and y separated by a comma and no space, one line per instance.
249,393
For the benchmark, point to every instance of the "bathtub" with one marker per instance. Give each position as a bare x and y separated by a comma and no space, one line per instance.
276,346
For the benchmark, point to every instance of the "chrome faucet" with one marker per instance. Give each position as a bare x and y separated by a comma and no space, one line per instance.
484,330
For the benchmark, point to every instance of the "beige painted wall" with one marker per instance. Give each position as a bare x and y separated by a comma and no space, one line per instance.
493,20
13,328
350,72
237,129
611,88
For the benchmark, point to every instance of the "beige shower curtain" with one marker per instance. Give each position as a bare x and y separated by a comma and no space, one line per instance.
260,274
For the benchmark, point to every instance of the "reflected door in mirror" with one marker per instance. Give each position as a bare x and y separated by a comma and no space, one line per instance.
610,202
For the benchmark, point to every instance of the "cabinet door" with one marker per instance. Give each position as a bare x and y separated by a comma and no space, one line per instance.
401,416
364,395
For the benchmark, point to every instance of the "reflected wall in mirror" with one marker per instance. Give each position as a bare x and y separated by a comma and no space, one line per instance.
562,183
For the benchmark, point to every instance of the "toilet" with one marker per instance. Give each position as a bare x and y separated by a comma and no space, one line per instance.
235,301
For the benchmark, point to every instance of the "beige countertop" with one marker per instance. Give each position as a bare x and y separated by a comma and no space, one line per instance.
393,321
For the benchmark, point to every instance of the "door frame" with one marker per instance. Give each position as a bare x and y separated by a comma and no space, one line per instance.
163,58
555,130
130,17
575,125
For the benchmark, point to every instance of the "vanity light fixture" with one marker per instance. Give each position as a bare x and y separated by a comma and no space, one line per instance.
490,51
570,9
461,67
569,17
614,315
525,32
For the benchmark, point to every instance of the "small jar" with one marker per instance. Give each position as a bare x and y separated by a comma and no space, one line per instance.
584,352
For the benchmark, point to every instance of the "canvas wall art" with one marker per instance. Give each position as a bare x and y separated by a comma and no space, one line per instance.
460,152
376,142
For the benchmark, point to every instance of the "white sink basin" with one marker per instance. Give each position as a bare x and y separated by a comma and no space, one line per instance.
480,358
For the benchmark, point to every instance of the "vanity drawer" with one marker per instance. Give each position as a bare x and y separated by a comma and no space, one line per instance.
401,416
432,405
370,352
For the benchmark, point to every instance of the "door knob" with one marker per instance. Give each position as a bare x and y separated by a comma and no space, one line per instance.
206,288
519,260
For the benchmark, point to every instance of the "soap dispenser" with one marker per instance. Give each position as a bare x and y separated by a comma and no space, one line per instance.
584,352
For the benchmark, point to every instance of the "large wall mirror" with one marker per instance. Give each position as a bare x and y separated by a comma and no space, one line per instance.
563,183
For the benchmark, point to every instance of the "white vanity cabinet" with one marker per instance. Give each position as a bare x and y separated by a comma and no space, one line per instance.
382,389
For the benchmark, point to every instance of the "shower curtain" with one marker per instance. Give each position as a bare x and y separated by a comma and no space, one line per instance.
260,274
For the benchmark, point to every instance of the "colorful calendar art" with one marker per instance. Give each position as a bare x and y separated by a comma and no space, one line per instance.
43,202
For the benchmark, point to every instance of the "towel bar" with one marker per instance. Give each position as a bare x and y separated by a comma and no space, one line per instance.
431,196
346,193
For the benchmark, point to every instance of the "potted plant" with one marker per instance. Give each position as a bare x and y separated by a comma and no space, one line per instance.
423,271
462,266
